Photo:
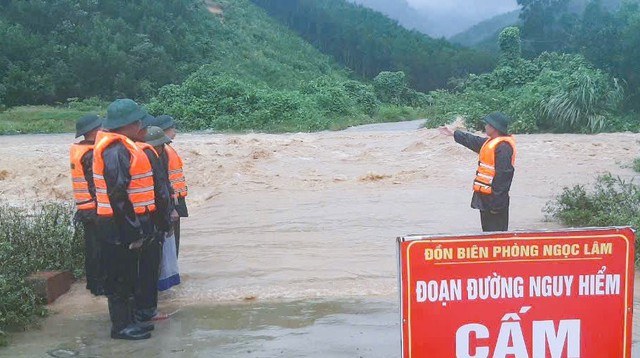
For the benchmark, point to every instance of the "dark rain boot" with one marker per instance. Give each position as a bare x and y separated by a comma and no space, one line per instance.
131,333
145,315
122,326
145,326
141,319
146,291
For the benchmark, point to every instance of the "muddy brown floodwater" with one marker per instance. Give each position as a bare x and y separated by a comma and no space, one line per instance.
290,249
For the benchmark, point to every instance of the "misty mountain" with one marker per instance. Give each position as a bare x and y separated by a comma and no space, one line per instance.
368,42
484,35
401,11
439,18
486,32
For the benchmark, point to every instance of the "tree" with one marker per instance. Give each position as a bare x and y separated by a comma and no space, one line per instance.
546,25
390,87
510,46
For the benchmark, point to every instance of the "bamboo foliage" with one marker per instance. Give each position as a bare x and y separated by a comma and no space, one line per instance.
584,101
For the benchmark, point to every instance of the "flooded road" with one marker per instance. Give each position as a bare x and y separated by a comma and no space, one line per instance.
313,328
290,248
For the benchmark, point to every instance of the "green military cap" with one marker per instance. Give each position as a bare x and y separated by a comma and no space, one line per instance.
156,137
498,121
87,123
122,112
148,121
164,122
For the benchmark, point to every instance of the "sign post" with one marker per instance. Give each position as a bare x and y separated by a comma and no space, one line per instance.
565,294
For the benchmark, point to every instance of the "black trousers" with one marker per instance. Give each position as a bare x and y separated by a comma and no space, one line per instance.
93,258
121,269
495,222
146,293
176,231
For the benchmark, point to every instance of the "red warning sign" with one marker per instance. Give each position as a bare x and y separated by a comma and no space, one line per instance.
518,295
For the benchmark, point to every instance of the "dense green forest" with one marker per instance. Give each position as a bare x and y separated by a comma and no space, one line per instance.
368,42
605,32
554,92
551,25
54,50
606,35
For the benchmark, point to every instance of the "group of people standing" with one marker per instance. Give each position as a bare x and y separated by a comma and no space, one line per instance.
130,190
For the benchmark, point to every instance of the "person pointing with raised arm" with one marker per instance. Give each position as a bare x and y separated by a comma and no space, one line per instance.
496,159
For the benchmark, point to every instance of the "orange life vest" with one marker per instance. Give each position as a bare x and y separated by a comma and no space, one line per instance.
81,194
143,146
176,175
140,188
483,182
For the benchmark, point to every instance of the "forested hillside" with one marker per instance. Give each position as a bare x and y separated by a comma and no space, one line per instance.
57,49
368,42
484,35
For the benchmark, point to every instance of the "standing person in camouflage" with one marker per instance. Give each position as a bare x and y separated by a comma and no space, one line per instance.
146,294
84,192
176,175
125,197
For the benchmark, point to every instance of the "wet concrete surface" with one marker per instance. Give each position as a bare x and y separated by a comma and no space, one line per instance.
310,328
305,328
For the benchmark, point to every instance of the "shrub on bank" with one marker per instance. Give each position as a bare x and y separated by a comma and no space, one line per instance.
41,239
551,93
612,202
211,100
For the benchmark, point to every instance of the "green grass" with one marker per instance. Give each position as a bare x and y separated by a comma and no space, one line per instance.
43,119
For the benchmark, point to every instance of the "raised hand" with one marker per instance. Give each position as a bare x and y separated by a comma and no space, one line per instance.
444,130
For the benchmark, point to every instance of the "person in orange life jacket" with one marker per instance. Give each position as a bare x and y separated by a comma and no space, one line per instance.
84,191
495,170
176,174
125,203
158,139
151,252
